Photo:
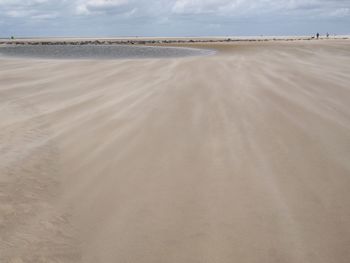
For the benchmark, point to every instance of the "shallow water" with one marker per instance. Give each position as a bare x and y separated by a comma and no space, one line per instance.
99,51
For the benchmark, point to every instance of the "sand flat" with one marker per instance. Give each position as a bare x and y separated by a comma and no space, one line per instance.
243,156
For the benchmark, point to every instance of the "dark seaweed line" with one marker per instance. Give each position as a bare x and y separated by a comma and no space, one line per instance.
145,42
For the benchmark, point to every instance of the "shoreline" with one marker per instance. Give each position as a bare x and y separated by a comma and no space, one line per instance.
156,41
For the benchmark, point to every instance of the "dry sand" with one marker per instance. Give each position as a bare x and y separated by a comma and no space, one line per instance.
239,157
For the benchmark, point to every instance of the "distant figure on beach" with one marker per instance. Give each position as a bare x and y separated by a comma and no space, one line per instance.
318,35
327,35
12,37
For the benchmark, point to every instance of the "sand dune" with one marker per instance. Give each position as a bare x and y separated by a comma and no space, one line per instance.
239,157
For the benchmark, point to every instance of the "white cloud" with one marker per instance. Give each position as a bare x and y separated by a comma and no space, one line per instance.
18,13
204,6
22,2
82,9
45,16
177,14
341,12
105,3
29,8
246,6
88,7
172,7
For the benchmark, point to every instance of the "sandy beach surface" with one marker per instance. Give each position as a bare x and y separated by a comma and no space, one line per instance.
243,156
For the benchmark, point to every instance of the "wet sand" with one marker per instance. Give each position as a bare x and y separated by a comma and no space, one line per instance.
243,156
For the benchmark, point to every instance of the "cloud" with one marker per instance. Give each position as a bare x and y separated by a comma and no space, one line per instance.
237,7
105,3
180,15
202,7
90,7
52,15
341,12
30,8
18,13
172,7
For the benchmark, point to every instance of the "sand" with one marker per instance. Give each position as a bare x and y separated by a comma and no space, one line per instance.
243,156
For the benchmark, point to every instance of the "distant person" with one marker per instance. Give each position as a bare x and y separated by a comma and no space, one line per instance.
318,35
12,37
327,35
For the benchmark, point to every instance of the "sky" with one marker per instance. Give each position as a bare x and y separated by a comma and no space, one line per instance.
107,18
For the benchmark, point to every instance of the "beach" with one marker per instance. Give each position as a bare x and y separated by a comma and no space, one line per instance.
240,156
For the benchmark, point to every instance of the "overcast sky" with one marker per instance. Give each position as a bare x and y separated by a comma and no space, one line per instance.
173,17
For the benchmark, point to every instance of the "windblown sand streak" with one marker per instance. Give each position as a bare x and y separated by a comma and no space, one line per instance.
239,157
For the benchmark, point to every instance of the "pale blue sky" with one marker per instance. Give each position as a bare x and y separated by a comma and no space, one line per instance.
173,17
